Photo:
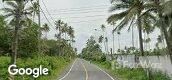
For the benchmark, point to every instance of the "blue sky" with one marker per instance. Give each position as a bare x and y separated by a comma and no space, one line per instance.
85,16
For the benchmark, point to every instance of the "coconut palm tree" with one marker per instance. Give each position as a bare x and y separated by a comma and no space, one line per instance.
59,24
132,13
64,30
35,9
104,38
164,13
18,14
107,46
71,34
45,28
119,45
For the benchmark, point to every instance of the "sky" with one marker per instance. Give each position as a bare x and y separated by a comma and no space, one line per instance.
85,16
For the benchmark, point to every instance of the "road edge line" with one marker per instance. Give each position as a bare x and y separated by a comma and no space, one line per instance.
105,72
85,71
68,71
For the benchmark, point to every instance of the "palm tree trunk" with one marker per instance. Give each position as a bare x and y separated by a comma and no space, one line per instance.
119,42
113,51
15,42
140,36
15,46
132,37
105,47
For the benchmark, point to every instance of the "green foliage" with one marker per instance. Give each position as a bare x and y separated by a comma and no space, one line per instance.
92,51
5,40
28,41
131,74
54,64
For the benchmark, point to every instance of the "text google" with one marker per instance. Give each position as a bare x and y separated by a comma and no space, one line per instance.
36,72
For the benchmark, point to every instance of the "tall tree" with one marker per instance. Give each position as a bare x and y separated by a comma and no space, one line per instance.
59,24
18,13
132,12
45,28
105,39
119,44
163,10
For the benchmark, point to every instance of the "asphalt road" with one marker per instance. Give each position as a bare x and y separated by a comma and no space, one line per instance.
83,70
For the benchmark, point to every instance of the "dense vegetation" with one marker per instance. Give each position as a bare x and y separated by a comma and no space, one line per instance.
24,42
93,53
146,16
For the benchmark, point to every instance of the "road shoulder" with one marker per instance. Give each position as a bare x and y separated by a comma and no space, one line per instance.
66,70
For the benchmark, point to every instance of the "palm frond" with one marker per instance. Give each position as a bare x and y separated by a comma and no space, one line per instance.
118,7
8,15
115,17
7,10
167,7
12,4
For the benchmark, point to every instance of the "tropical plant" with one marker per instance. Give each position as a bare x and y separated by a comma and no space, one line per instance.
131,13
59,24
104,38
161,8
5,39
18,14
45,29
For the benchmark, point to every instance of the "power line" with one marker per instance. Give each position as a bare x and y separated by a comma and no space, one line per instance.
84,16
82,8
87,21
45,16
79,12
48,11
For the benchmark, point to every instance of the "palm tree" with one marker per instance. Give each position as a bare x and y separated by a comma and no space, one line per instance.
18,14
71,34
132,11
45,28
64,30
100,40
132,36
164,13
59,24
107,47
119,45
104,38
113,47
34,9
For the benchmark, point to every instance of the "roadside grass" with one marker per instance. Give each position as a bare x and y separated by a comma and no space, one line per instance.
131,74
55,66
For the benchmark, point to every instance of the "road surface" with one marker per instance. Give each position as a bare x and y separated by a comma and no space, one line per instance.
83,70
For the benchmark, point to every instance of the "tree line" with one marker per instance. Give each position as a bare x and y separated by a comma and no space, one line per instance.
22,37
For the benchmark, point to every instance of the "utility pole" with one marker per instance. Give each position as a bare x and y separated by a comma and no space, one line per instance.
39,29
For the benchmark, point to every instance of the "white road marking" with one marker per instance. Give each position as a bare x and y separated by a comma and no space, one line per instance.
102,71
105,72
86,73
68,71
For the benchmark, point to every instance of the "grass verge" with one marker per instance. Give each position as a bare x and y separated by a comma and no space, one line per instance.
55,66
131,74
